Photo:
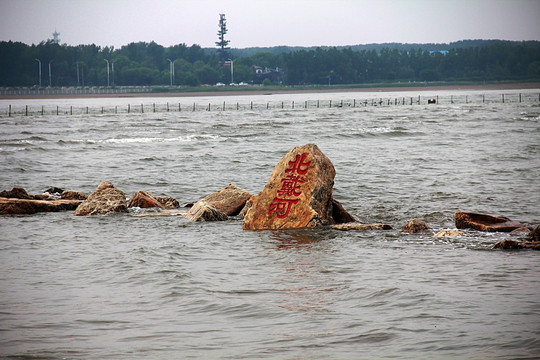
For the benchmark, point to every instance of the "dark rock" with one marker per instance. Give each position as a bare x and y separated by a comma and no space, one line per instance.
415,226
361,227
105,199
486,222
31,206
202,211
54,190
508,244
73,195
230,200
298,194
340,215
15,193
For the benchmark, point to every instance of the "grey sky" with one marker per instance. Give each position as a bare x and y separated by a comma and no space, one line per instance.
268,23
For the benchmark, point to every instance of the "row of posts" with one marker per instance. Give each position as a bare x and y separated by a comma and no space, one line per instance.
374,102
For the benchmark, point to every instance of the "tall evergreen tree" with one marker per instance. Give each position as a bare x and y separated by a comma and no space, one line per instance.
222,43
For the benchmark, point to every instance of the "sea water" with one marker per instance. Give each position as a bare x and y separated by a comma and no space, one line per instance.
128,287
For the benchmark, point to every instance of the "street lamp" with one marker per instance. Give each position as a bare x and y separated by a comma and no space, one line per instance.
232,70
39,71
107,71
171,69
50,78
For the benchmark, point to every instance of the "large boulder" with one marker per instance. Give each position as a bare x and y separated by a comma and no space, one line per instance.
230,200
298,194
484,222
144,200
14,206
105,199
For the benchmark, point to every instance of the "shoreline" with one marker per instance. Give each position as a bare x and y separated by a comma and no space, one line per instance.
510,86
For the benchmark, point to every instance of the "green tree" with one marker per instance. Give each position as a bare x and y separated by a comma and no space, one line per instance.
222,43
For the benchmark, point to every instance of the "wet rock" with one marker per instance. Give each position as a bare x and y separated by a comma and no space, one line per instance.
13,206
202,211
168,202
484,222
507,244
73,195
144,200
534,235
230,200
298,194
54,191
361,227
415,226
15,193
105,199
340,215
448,233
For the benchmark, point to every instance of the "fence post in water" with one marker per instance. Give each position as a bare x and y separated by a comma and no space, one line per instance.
354,103
305,104
224,106
154,107
116,109
330,104
9,111
293,104
129,108
208,106
101,109
451,99
483,99
71,110
237,106
193,106
142,109
167,107
267,105
251,105
56,109
87,110
42,110
26,111
282,104
418,99
519,97
503,98
179,107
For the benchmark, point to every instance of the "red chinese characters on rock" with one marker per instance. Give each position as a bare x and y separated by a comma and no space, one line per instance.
291,187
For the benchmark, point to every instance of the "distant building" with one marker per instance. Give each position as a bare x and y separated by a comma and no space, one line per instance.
274,75
444,52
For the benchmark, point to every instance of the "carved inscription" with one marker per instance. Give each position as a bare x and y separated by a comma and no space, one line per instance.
291,187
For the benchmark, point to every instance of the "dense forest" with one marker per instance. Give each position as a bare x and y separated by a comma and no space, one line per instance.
152,64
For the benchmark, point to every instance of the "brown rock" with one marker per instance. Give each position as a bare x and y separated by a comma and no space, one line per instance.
448,233
30,206
168,202
73,195
15,193
486,222
144,200
507,244
415,226
534,235
202,211
230,200
105,199
298,194
361,227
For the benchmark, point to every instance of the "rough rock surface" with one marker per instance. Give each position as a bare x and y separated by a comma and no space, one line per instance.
509,244
202,211
168,202
415,226
73,195
361,227
30,206
144,200
298,194
534,235
340,215
15,193
105,199
448,233
230,200
484,222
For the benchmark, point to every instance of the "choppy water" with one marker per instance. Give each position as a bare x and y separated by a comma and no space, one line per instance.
125,287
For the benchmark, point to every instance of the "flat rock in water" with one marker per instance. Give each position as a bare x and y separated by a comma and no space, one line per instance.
448,233
105,199
230,200
361,227
14,206
298,194
487,223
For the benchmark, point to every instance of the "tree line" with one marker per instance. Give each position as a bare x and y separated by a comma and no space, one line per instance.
144,63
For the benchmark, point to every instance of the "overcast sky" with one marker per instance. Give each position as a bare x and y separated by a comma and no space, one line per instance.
268,23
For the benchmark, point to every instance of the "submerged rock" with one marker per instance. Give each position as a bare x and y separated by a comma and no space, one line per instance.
448,233
298,194
361,227
415,226
484,222
14,206
509,244
202,211
105,199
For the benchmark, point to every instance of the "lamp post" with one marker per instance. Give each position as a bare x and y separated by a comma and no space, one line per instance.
50,77
107,71
39,61
171,70
232,70
112,66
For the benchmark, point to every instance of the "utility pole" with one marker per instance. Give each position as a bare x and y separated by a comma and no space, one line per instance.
171,70
39,61
232,70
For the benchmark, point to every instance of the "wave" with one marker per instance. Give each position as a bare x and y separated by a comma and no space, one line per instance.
143,140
